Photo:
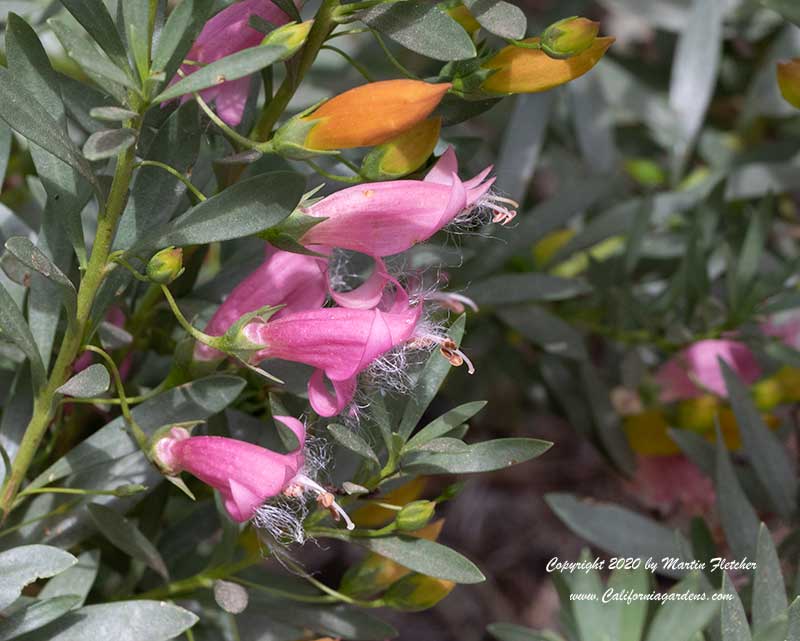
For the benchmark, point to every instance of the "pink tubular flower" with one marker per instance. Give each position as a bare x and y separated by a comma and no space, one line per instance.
223,35
339,342
246,475
696,371
386,218
672,485
294,280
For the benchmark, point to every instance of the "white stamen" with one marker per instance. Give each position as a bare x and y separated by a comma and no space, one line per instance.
325,497
454,301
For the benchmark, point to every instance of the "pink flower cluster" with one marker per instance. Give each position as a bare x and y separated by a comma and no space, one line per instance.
339,334
342,341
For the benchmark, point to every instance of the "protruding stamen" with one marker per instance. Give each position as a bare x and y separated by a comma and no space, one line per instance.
450,351
453,301
502,215
324,498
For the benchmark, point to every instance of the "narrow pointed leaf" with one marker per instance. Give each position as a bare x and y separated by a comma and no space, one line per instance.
95,18
735,626
349,439
112,114
444,424
13,328
136,17
36,615
182,27
480,457
682,620
127,537
769,592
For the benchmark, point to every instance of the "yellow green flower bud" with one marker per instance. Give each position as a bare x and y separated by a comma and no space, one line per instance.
166,265
415,592
292,36
404,154
369,577
415,515
789,81
789,380
569,37
768,393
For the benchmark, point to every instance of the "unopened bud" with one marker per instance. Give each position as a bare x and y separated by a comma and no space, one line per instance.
404,154
291,36
416,592
789,81
166,265
369,577
415,515
569,37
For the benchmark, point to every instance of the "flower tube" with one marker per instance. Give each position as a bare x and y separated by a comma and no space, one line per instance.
245,475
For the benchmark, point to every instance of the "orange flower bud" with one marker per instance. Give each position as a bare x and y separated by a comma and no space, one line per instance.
789,81
371,114
521,70
569,37
404,154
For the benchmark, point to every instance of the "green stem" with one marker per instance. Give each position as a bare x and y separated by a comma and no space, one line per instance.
211,341
391,58
351,180
199,581
352,61
171,170
45,403
323,25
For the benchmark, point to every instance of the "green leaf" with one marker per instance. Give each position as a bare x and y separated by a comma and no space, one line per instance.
32,257
509,289
606,419
546,330
26,115
793,632
769,592
445,423
182,27
238,65
748,258
425,557
349,439
5,145
155,194
127,537
246,208
787,8
136,16
633,616
76,581
422,28
733,617
108,143
498,17
594,619
36,615
694,74
25,564
92,381
428,383
764,452
480,457
112,114
681,620
739,519
617,529
95,18
97,66
13,328
512,632
121,621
